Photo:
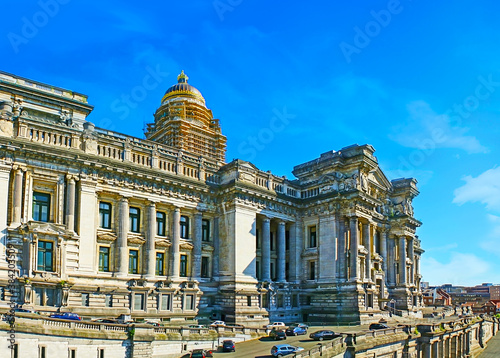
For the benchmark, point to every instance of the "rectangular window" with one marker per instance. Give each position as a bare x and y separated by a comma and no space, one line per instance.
139,301
105,215
103,259
205,230
50,297
312,236
295,300
85,299
257,239
205,265
257,270
312,270
41,207
164,302
249,301
134,219
273,272
42,352
160,264
272,241
108,300
45,256
72,353
101,352
287,271
183,268
189,302
287,240
184,227
133,264
160,223
281,301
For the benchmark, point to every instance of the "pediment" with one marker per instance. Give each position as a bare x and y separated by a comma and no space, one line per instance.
106,236
37,227
378,178
186,246
162,243
137,240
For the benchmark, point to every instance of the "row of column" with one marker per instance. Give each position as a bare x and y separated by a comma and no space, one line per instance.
175,254
450,347
17,198
266,250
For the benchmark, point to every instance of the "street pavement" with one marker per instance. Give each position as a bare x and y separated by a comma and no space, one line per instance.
492,349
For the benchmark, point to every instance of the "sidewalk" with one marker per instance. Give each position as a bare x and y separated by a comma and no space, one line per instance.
493,348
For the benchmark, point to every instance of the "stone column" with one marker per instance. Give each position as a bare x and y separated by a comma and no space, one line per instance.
150,242
197,245
215,258
280,240
176,240
402,260
123,223
294,249
342,250
18,196
412,258
266,249
354,248
368,247
70,203
383,250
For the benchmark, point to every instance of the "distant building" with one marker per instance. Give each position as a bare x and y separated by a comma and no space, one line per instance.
101,223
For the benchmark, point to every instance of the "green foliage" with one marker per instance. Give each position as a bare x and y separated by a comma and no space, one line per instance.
416,331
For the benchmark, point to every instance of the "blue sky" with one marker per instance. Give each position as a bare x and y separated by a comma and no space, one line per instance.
419,81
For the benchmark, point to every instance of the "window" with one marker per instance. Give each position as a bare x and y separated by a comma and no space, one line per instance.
108,300
189,302
45,256
249,301
272,241
312,270
205,265
257,239
101,353
164,303
72,353
139,301
105,215
133,258
103,259
42,352
160,264
85,299
312,236
205,230
287,240
257,270
184,227
160,223
134,219
273,272
183,268
41,206
295,300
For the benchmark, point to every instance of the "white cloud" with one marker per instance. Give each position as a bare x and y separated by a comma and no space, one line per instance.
461,269
428,130
484,188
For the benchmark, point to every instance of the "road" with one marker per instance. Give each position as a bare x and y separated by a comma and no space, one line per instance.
261,348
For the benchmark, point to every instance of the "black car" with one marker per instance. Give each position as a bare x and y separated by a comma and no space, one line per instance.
325,334
277,334
375,326
201,353
228,346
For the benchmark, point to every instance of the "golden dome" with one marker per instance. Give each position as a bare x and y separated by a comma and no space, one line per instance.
183,89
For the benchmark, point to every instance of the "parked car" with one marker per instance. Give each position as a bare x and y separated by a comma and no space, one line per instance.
201,353
196,326
154,324
217,324
284,350
295,331
106,320
375,326
66,315
25,310
302,325
277,334
325,334
277,325
228,346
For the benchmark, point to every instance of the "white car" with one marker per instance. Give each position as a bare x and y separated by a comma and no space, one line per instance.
276,325
217,324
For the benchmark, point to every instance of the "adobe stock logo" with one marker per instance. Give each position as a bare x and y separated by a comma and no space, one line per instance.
223,6
363,36
31,26
254,144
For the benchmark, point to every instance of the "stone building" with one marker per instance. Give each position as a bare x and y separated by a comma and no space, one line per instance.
101,223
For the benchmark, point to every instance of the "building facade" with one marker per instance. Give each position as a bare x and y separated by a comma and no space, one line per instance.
101,223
